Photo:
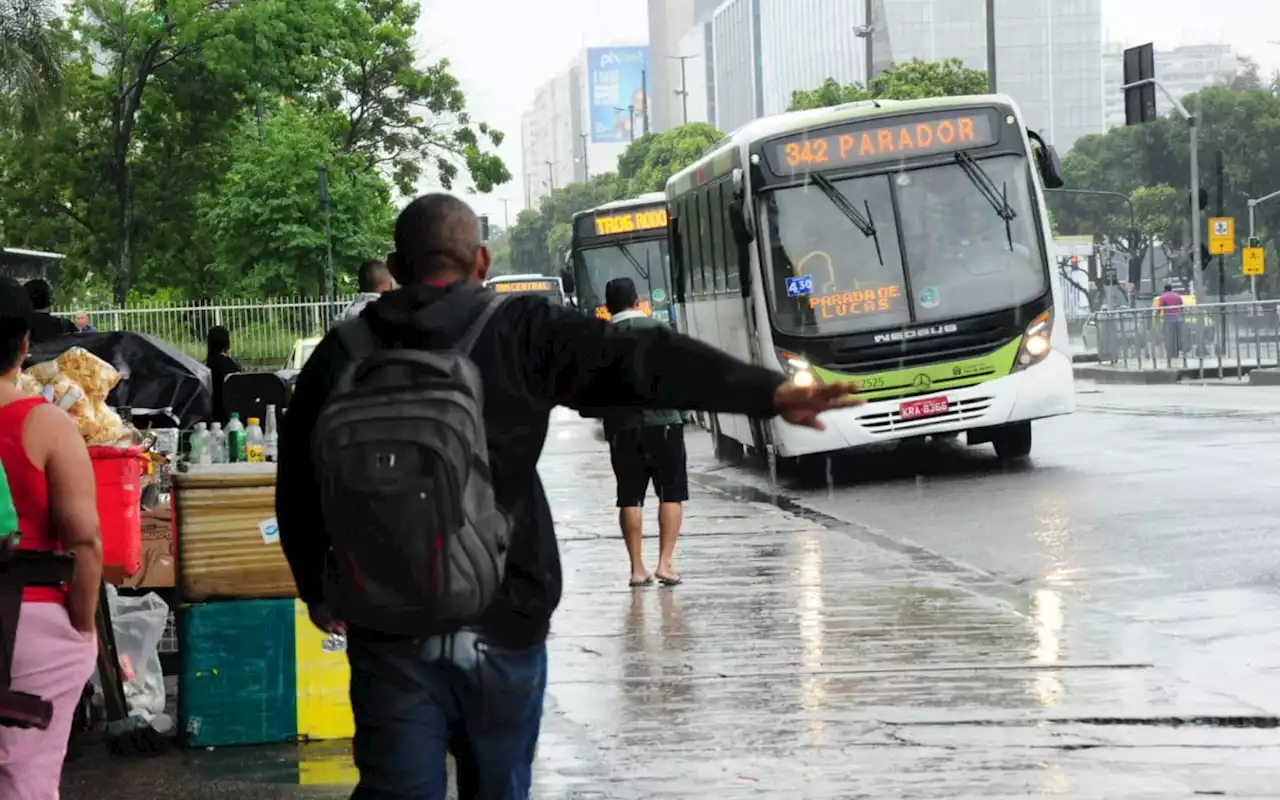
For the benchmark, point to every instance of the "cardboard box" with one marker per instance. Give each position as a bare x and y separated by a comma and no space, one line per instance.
157,571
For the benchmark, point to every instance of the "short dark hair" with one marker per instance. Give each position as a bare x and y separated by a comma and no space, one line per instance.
217,342
620,294
1168,287
371,275
435,233
40,293
15,321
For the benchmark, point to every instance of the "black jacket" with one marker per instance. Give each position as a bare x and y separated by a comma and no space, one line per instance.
534,356
46,327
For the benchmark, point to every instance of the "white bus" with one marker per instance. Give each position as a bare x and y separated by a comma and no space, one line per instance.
904,245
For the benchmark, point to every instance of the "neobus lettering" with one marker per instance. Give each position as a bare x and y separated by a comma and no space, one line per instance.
916,333
861,301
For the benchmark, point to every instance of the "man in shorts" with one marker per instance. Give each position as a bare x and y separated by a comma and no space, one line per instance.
645,446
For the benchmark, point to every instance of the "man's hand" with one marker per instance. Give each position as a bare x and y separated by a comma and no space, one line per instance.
323,619
801,405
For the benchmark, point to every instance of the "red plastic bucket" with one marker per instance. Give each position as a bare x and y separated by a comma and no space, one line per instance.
117,472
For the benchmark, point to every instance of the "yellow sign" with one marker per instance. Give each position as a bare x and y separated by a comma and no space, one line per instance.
1222,236
631,222
1254,263
521,287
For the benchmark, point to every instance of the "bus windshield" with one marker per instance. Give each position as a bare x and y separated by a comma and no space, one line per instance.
966,252
644,262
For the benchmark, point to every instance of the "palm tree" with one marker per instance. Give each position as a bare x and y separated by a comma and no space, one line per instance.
30,62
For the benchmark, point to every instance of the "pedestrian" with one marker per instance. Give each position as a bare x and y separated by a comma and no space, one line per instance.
645,446
374,280
44,325
51,483
220,364
394,485
82,323
1170,303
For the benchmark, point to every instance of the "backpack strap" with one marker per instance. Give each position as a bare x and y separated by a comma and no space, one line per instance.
357,338
468,340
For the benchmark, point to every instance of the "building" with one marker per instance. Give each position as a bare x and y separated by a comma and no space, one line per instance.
1049,53
669,23
584,118
1182,70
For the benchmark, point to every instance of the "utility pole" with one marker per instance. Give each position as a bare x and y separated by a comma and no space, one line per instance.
644,110
506,219
586,166
631,126
865,32
551,175
1253,204
991,46
1222,212
683,91
322,176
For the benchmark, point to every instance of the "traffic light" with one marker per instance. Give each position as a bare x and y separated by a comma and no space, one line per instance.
1139,101
1204,199
484,227
1135,270
1254,241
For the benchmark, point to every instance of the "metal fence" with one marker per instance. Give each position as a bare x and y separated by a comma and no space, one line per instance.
263,332
1214,339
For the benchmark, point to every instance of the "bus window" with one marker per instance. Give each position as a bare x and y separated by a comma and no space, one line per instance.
697,230
716,220
732,276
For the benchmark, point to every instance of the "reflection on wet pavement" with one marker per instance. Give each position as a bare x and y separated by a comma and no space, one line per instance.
805,659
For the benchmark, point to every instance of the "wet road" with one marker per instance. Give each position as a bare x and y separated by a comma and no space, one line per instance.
1099,623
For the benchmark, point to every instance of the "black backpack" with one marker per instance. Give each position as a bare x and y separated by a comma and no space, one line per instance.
419,543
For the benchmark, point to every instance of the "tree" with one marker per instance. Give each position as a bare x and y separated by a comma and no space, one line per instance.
265,222
656,158
30,62
1150,164
910,80
399,115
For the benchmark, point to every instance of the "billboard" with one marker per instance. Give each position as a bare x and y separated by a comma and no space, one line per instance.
616,89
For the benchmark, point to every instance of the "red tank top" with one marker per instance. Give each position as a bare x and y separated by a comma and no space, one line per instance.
30,492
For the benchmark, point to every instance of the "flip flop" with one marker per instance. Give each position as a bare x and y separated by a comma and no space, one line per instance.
670,581
638,584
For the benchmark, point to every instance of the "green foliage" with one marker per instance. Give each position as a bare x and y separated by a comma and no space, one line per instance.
1150,164
659,156
264,223
30,63
160,108
910,80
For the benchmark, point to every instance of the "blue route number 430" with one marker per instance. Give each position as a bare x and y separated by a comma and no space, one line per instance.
799,285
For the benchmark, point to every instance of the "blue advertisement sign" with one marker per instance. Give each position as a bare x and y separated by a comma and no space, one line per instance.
616,87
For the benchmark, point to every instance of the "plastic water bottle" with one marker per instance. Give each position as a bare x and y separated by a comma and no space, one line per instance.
272,438
218,444
199,453
235,439
255,448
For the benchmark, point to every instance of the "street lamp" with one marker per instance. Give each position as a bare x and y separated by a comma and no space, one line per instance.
631,129
1254,203
586,167
865,32
683,91
551,175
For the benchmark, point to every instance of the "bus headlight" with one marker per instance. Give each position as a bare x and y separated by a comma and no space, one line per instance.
1036,342
798,369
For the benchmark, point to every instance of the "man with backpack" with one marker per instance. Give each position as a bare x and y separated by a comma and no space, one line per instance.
410,508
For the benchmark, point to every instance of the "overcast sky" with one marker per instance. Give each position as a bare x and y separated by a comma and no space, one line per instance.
502,50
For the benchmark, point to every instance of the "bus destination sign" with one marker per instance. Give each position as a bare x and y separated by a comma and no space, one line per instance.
883,140
522,287
645,219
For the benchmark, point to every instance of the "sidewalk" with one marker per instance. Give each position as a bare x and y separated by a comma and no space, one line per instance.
799,659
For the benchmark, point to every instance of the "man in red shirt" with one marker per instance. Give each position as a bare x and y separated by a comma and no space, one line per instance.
1170,303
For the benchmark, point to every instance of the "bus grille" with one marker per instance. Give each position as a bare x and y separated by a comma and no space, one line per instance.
891,422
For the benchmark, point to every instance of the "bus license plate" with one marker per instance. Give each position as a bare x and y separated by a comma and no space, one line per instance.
928,407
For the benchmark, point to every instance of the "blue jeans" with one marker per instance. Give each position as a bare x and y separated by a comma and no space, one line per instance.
458,694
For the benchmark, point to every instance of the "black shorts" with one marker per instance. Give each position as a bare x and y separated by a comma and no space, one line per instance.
652,453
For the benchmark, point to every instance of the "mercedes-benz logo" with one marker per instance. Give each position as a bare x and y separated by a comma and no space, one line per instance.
922,382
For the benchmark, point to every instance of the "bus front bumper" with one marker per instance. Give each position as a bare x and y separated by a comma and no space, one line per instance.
1045,390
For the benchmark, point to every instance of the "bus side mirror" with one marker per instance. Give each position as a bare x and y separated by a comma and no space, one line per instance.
566,280
744,229
1048,162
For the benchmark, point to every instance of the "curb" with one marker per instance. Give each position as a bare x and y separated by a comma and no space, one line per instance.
1146,377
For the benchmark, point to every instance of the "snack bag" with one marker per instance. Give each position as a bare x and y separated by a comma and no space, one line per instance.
103,427
94,375
44,371
29,385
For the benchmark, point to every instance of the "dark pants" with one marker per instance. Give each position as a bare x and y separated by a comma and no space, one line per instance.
651,454
458,694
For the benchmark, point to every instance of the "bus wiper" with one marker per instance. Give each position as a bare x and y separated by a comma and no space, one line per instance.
641,271
998,198
864,224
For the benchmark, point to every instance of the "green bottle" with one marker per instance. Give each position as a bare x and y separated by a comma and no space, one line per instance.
9,536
